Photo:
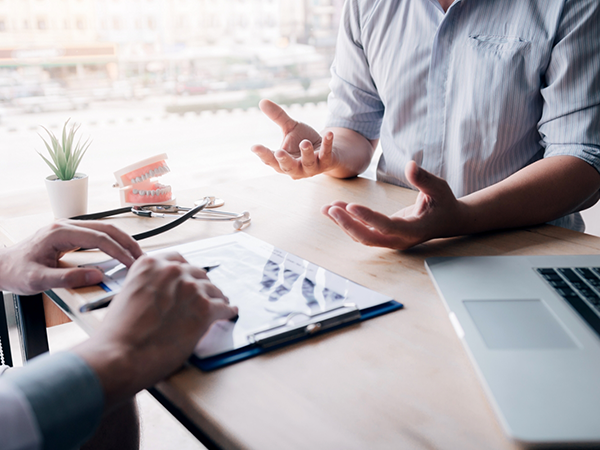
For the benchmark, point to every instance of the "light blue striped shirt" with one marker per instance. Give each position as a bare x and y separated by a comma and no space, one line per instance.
474,94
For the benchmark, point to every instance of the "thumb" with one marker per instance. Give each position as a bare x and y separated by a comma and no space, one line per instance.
69,278
277,115
424,181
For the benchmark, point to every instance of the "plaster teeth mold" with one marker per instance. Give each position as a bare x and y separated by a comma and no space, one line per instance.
138,182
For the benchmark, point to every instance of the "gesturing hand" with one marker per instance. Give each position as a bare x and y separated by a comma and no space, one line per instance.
436,213
31,266
304,153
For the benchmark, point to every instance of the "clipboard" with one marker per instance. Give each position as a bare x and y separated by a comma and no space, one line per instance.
281,297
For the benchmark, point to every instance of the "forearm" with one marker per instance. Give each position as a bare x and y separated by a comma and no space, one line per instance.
353,152
115,366
543,191
64,397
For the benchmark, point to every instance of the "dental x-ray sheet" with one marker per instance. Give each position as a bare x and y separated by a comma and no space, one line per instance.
269,286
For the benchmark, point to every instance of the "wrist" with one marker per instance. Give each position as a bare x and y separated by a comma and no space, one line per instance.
114,366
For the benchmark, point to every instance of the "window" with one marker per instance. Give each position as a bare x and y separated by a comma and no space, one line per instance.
80,24
2,25
41,24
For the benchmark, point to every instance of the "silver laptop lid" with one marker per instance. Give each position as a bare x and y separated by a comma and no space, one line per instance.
538,359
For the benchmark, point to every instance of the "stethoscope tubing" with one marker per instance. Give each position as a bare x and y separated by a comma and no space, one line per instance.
198,212
172,223
155,231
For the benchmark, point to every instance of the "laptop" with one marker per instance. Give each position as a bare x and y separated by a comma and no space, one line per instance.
531,326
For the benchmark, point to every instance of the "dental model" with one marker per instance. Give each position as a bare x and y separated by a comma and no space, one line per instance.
138,182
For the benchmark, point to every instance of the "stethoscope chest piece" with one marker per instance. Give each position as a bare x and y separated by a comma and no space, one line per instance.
213,202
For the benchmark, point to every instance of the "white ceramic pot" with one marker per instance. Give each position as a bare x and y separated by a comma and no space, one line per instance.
68,198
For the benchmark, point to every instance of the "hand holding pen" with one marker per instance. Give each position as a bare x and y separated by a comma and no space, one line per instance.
105,300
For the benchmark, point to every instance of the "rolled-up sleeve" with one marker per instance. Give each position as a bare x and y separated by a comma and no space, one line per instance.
353,102
59,396
570,122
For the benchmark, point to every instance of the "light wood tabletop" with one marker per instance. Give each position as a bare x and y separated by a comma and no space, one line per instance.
402,380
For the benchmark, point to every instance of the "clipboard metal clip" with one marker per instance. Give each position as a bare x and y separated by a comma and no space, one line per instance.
286,332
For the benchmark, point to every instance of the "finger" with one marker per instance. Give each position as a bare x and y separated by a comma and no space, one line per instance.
326,208
67,278
380,222
308,158
358,231
424,181
288,165
212,291
85,236
266,156
219,310
171,256
326,151
274,112
340,204
198,273
122,238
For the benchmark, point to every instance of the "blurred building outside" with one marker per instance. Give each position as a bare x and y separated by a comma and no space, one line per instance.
64,54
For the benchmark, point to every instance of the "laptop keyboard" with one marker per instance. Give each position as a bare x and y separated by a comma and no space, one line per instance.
580,286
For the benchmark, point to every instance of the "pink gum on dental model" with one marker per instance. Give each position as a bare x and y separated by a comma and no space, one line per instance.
143,170
137,183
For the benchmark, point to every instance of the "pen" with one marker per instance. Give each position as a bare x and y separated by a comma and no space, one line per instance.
105,300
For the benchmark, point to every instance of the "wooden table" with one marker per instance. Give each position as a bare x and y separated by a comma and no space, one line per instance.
401,380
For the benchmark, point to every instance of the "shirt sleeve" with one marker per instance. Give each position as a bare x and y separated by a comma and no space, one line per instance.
18,427
58,395
354,102
571,112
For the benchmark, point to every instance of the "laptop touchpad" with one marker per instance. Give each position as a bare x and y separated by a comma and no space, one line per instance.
517,324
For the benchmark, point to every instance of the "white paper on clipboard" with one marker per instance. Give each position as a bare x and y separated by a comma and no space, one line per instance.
267,284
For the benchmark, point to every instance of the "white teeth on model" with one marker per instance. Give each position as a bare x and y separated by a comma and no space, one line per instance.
135,191
132,180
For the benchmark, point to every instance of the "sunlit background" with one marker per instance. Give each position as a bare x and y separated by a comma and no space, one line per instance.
68,54
144,77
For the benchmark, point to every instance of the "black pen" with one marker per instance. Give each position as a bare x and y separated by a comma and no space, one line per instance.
105,300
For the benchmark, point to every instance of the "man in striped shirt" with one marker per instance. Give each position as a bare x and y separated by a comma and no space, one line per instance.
490,109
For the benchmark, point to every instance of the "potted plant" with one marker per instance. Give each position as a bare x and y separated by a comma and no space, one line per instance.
67,188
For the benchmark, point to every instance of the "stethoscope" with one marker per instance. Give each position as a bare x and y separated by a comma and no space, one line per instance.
200,211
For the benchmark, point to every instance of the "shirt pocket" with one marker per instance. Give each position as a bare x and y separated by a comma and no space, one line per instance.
499,46
495,88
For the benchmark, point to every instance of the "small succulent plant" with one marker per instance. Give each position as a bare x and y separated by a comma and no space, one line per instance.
64,154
